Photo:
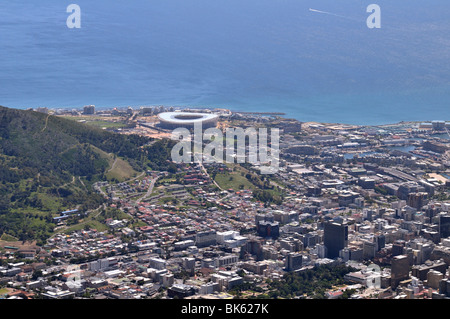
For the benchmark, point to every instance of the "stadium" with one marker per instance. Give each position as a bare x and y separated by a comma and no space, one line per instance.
173,120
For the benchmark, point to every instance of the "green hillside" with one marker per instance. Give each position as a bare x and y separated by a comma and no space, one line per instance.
48,164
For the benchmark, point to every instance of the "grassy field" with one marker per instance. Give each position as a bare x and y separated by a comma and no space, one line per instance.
51,203
119,169
237,180
93,224
19,244
139,223
6,237
233,180
96,221
96,122
4,291
106,124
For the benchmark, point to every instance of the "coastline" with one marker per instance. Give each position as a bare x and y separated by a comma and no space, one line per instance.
236,111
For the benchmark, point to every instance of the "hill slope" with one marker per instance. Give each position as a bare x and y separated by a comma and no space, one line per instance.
42,159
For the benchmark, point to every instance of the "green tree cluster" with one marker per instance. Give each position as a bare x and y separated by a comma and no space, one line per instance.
310,282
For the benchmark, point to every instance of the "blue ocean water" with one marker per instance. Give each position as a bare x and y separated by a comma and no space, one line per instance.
247,55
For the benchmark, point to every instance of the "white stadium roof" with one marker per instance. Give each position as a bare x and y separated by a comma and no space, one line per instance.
186,117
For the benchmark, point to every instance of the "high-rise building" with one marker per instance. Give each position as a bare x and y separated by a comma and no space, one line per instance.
268,229
42,110
146,110
399,270
335,238
263,217
397,247
285,217
438,125
407,188
344,254
366,182
356,253
444,226
417,200
322,251
431,211
314,191
206,238
444,287
293,261
89,110
421,271
180,291
189,264
433,279
266,226
381,241
369,249
311,239
252,247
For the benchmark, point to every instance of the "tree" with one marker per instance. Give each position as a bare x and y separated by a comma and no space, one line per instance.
172,168
36,274
4,204
241,272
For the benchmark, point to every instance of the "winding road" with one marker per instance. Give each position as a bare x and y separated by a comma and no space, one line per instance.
149,191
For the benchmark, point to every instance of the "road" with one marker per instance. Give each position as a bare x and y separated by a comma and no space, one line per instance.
134,178
149,191
46,123
82,183
113,165
199,162
225,197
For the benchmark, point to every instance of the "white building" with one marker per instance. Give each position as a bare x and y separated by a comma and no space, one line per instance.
209,288
114,273
230,239
157,263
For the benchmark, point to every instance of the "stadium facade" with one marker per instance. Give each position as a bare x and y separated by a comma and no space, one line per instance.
173,120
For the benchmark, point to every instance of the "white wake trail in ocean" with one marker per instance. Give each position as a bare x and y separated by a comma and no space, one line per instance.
332,14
